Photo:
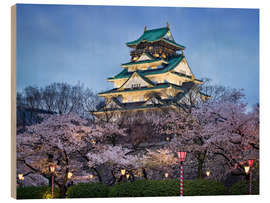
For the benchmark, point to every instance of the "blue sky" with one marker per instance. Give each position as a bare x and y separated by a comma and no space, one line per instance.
65,43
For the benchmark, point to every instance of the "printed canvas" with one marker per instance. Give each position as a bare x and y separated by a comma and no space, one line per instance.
125,101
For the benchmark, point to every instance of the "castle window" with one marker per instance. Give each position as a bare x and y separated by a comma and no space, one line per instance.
135,85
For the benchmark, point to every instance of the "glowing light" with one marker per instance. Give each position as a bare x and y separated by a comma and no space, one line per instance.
52,168
250,162
208,173
166,175
123,171
91,176
69,175
127,175
246,169
20,176
182,156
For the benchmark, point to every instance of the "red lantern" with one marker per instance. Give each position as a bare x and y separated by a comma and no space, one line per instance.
181,156
250,162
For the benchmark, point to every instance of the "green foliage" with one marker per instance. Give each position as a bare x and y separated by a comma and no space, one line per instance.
32,192
86,190
242,188
146,188
203,187
141,188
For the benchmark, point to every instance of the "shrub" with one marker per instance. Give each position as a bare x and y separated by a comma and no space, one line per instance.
86,190
242,188
203,187
32,192
146,188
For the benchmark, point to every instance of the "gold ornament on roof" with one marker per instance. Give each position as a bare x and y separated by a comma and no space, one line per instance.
163,55
135,58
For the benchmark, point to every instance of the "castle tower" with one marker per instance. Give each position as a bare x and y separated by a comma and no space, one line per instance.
157,74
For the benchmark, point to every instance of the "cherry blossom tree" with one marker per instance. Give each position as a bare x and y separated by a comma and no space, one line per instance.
160,160
116,157
110,131
140,127
237,134
58,140
222,128
191,134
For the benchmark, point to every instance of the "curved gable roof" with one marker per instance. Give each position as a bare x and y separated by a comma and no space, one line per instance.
155,35
150,36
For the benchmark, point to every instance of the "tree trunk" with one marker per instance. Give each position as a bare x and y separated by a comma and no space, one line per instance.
132,178
144,174
63,190
114,178
200,169
98,174
200,160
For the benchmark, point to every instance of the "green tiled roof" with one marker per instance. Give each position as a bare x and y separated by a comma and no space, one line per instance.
154,35
174,43
141,62
150,35
181,74
171,64
159,86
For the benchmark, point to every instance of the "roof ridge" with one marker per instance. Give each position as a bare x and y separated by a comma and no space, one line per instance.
156,29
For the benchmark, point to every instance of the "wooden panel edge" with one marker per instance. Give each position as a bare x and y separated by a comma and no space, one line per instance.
13,102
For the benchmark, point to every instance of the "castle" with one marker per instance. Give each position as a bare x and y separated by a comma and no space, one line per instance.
157,76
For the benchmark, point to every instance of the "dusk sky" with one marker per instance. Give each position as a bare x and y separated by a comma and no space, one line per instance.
64,43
